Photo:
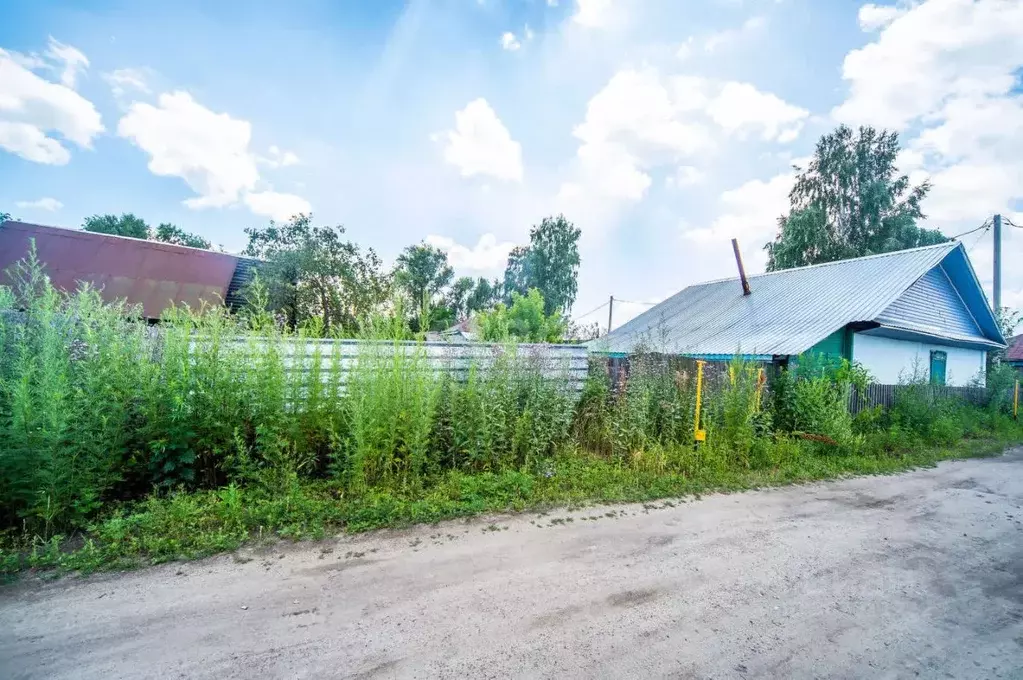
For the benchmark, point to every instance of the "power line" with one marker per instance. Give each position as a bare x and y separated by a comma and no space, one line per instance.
986,225
977,241
1006,220
581,316
633,302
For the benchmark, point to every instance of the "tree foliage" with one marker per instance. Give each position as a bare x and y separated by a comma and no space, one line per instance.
524,321
421,273
849,202
127,224
312,271
4,216
550,264
169,233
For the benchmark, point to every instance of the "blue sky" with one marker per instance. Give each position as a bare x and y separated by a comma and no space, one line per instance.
662,128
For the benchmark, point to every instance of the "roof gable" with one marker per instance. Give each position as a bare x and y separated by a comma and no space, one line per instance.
788,311
932,306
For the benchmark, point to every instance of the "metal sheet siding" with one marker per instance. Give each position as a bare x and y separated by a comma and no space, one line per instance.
932,306
787,313
148,273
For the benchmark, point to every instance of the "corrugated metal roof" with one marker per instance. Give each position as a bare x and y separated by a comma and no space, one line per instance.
788,312
148,273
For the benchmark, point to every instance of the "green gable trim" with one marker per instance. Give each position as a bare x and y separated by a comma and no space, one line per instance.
838,344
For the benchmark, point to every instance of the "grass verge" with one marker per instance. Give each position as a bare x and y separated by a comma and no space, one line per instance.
190,525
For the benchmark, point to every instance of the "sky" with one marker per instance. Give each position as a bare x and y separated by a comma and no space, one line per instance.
661,128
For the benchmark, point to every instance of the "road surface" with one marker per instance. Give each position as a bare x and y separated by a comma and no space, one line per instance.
919,575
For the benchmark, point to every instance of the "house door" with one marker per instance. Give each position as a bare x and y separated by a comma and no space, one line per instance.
938,361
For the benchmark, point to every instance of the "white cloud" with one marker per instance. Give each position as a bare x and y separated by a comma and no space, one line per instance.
936,51
31,106
510,42
210,152
480,144
183,138
278,158
740,107
597,13
641,120
488,255
728,37
72,60
684,175
873,17
46,203
124,79
277,206
751,213
720,40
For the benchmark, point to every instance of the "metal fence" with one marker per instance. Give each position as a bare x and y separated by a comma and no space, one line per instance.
564,363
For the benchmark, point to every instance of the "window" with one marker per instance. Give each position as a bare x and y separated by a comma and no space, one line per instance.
938,361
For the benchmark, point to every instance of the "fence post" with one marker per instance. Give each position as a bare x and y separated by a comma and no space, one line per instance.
698,434
1015,400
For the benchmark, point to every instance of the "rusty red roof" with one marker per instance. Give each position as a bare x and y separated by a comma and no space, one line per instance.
1015,351
148,273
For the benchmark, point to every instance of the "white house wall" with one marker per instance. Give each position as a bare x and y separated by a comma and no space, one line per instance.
891,361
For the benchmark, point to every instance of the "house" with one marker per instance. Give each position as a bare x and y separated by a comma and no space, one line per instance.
919,310
151,274
1014,354
461,332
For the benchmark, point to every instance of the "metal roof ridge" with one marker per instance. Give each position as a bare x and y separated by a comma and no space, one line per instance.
74,230
949,245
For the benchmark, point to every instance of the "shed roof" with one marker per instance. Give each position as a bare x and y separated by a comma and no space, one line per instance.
1015,351
148,273
790,311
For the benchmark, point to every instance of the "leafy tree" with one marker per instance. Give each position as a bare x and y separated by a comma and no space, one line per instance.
168,233
484,296
125,225
524,321
550,264
458,295
4,217
850,202
517,273
422,272
312,272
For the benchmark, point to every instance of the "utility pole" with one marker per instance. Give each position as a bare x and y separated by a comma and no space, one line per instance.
610,311
998,265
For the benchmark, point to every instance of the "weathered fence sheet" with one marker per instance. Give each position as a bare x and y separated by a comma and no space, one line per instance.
565,363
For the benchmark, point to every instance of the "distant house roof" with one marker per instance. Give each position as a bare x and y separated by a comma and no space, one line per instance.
1015,351
790,311
148,273
463,331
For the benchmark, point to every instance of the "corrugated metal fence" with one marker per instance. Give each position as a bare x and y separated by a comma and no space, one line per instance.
564,363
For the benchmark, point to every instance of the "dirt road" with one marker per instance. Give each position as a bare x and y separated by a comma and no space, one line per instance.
919,575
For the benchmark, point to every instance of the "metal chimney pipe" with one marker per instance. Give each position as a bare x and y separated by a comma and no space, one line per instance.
742,271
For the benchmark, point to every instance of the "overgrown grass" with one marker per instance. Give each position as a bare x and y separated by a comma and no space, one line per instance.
123,444
189,525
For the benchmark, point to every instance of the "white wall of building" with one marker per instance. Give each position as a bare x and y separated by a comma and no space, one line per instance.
888,360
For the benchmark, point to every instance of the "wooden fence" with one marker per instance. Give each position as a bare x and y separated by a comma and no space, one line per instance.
885,395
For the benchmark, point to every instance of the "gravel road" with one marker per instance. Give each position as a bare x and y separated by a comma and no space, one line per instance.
918,575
